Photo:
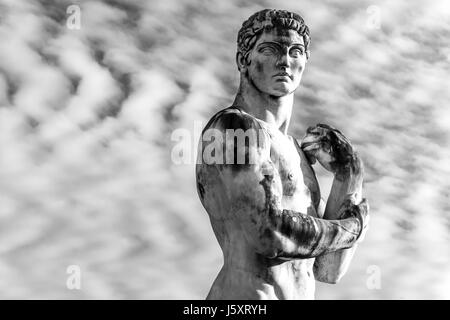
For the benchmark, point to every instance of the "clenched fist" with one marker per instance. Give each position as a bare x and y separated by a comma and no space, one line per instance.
331,148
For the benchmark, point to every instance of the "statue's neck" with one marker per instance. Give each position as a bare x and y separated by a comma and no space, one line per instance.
276,111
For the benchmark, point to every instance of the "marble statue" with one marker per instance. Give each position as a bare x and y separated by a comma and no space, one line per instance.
258,185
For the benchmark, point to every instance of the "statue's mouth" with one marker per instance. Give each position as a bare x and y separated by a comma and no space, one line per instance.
283,74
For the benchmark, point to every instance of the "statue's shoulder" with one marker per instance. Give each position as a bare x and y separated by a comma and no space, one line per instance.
233,118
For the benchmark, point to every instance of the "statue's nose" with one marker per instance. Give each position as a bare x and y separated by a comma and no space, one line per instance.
283,60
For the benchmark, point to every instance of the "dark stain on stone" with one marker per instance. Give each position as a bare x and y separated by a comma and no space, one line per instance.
286,227
270,205
259,67
201,190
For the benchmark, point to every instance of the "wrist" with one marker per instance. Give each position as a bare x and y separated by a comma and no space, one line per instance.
349,167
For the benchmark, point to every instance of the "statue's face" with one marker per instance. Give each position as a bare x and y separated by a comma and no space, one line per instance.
277,62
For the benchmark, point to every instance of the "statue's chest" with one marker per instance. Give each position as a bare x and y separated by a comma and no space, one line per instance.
285,158
297,178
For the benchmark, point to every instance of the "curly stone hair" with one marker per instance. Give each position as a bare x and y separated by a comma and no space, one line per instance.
267,19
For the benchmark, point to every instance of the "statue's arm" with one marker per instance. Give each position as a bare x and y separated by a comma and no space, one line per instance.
331,267
278,233
254,191
336,154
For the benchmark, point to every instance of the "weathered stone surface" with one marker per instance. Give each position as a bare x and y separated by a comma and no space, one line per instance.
266,211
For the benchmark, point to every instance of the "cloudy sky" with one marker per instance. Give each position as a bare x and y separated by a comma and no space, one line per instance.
87,115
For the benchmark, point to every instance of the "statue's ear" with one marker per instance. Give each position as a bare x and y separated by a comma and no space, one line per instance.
240,61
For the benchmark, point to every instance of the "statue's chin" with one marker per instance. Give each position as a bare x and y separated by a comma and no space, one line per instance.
281,92
281,89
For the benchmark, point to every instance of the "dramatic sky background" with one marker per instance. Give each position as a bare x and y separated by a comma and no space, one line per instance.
86,118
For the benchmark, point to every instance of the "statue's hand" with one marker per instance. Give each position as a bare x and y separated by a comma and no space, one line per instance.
331,148
349,209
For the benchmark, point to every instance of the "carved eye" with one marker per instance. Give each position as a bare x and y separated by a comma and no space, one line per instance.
267,50
296,52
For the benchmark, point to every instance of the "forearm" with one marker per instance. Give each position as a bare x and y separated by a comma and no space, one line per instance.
330,267
301,236
346,185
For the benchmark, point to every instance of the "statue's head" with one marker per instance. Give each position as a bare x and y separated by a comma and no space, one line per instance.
272,50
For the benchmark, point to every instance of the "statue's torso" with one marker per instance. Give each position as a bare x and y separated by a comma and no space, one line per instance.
246,274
